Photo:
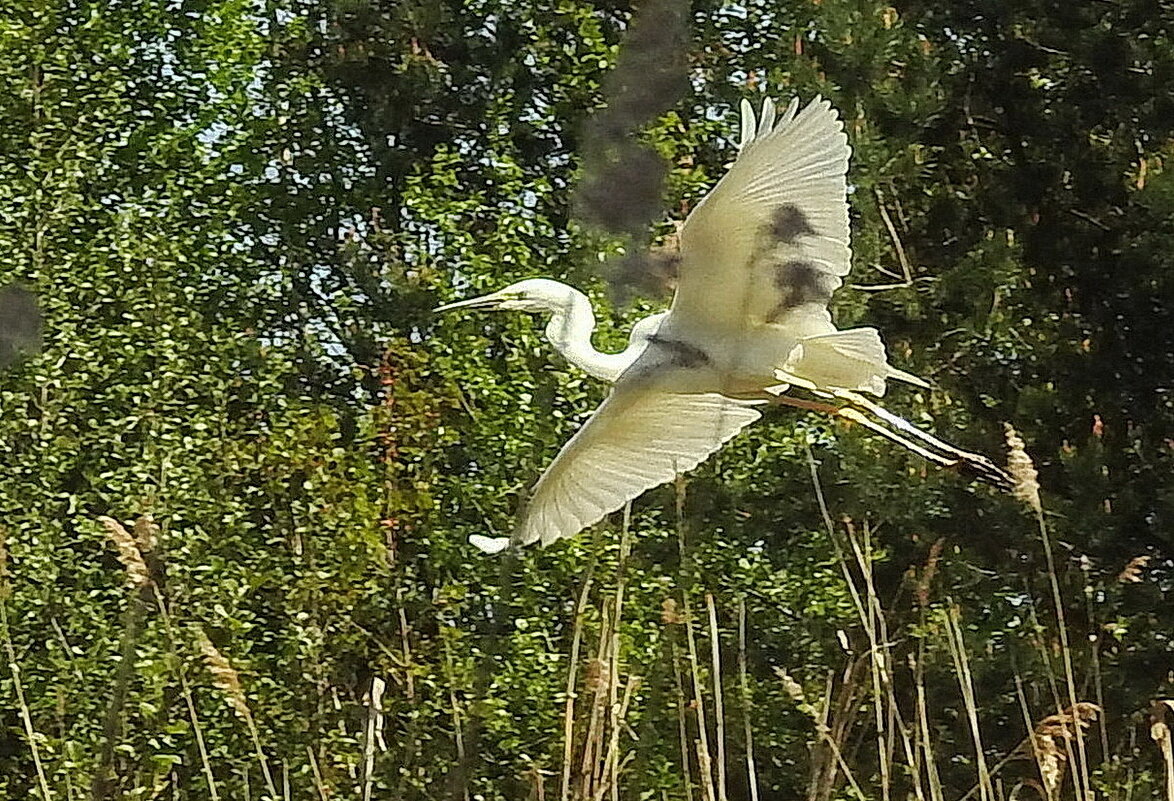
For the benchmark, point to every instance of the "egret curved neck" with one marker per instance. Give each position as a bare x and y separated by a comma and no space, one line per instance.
569,330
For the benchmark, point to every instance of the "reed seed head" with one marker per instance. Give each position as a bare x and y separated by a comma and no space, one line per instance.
1022,470
146,533
1050,735
224,676
670,612
137,574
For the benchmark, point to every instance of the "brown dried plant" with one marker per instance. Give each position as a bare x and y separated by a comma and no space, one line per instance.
1048,741
146,532
1160,734
670,613
227,680
224,676
927,574
1132,572
137,574
1021,468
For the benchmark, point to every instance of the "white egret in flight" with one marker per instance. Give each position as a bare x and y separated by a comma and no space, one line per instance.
760,257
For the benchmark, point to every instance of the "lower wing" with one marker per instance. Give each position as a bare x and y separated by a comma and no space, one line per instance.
636,440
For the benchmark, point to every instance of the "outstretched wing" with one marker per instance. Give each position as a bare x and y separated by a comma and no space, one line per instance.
770,243
636,440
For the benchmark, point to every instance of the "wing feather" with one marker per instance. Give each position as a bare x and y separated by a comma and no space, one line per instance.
770,243
636,440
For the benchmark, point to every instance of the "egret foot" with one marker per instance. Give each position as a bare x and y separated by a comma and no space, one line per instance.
973,464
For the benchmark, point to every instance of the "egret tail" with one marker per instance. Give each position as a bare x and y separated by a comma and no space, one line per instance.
853,360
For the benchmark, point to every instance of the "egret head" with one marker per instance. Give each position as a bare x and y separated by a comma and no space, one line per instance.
531,295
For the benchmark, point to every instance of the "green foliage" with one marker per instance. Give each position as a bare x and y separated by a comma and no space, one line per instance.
235,219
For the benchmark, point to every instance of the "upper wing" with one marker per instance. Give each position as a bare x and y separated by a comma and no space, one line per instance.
637,439
770,243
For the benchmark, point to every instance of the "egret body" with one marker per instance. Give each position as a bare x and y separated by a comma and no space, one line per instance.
760,257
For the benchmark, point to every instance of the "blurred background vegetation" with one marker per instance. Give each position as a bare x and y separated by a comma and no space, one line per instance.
237,479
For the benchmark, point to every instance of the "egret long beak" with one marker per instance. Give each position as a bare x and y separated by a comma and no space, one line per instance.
490,301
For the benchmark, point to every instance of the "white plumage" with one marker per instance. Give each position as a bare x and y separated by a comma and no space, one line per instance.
760,257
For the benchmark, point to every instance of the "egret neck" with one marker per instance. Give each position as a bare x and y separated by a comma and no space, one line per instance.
571,325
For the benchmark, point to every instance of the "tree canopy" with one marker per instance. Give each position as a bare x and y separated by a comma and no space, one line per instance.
240,459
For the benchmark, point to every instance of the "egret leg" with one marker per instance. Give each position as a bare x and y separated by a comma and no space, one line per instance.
849,413
943,454
983,467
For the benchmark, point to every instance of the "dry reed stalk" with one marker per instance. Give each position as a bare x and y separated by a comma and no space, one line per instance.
887,715
1131,748
26,717
62,735
1027,488
138,579
883,656
906,268
4,590
718,709
537,780
227,680
323,793
616,718
701,745
1044,649
704,761
186,691
869,612
597,682
705,767
611,763
794,691
682,724
916,665
1036,752
405,649
829,737
751,773
601,765
1095,652
412,729
823,765
824,771
957,647
373,732
1160,734
926,745
572,669
455,707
